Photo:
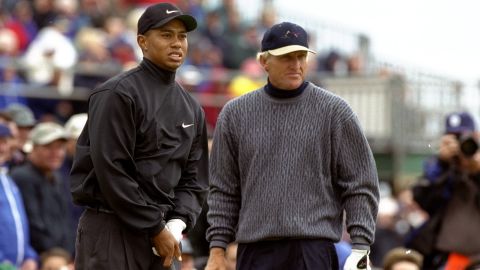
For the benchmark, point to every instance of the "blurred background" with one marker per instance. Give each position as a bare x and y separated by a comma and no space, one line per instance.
402,66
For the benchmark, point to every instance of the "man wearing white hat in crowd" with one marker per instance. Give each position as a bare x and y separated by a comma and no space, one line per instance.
73,128
43,190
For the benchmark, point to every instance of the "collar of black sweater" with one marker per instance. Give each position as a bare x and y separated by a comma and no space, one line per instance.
168,77
281,93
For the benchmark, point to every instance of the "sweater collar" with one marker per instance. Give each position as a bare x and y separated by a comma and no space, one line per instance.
168,77
279,93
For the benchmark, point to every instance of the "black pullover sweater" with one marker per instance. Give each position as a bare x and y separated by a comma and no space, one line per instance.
143,152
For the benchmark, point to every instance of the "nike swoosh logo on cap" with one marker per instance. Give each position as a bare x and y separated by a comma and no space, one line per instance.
185,126
171,11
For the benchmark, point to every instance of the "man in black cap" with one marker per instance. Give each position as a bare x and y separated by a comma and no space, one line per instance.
141,161
287,160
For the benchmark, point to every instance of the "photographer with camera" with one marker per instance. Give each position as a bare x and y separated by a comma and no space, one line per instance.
449,191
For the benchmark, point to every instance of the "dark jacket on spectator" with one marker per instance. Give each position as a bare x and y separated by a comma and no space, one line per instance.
46,204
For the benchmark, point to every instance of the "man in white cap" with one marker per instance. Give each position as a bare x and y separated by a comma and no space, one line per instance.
73,128
287,160
42,189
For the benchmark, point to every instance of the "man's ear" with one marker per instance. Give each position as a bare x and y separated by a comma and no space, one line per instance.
142,42
263,62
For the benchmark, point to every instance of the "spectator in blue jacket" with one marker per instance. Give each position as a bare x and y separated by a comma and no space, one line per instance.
15,248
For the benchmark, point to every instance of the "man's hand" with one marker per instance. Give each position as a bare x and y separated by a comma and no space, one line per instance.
449,147
216,260
167,247
471,165
358,260
176,227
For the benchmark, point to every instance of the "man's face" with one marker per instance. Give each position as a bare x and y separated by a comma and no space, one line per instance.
405,266
23,133
49,157
165,46
286,71
55,263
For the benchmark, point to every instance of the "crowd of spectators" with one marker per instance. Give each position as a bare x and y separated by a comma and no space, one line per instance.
65,44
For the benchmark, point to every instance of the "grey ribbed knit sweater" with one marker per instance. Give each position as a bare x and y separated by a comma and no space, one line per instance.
288,168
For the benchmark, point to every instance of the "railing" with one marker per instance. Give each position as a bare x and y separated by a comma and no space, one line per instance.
386,105
394,106
397,118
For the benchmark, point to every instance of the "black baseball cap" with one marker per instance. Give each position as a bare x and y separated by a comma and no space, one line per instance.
160,14
285,37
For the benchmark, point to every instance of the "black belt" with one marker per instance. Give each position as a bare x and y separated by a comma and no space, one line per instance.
100,209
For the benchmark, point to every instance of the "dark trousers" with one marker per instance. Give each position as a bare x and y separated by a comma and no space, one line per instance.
295,254
104,243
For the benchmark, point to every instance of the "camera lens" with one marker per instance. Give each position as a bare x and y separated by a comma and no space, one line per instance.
468,147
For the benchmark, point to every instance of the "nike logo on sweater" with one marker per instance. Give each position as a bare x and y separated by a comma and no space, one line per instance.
185,126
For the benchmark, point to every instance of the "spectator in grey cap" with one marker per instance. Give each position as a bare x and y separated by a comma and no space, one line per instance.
140,166
22,115
24,120
287,160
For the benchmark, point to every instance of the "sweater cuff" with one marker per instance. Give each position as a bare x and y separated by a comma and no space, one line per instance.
218,244
219,241
360,243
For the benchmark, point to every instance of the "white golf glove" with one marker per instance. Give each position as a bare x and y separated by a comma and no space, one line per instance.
176,227
358,260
